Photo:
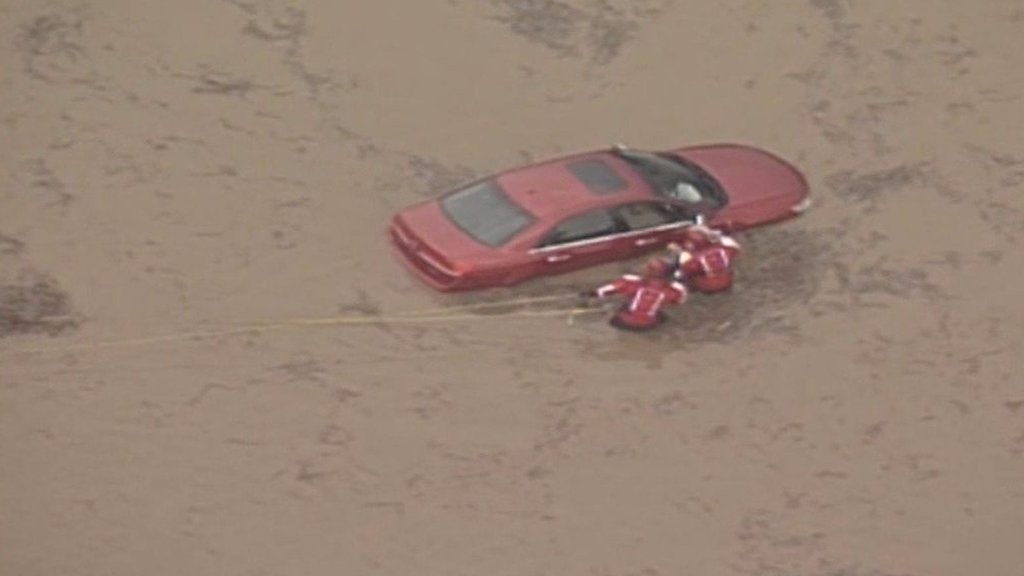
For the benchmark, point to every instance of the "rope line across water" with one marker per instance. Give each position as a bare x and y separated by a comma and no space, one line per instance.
446,310
445,314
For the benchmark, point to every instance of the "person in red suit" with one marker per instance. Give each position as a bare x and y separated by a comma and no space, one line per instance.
644,296
704,261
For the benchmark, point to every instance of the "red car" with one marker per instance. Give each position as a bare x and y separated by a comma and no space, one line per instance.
588,209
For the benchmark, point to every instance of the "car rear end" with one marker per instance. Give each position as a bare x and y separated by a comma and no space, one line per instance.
411,237
429,264
458,242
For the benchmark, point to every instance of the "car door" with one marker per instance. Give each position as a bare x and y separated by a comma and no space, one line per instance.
650,225
579,241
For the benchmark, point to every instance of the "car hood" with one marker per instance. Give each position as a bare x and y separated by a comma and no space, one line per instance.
427,226
749,175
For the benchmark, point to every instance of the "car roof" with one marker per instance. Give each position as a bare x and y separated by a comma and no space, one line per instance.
553,190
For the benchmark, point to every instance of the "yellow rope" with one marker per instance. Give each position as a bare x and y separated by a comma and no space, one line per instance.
443,311
411,317
496,304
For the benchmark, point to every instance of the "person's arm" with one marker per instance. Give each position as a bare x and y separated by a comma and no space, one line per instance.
601,291
619,286
679,293
730,242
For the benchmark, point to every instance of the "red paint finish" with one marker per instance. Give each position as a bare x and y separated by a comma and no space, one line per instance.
760,187
549,190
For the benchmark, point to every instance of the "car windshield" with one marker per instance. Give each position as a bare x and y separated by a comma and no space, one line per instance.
673,177
486,213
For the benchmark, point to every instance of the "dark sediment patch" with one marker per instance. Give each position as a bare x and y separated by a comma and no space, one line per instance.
550,23
363,305
41,178
34,303
998,203
836,12
882,277
596,31
275,23
212,82
51,44
433,178
10,246
867,188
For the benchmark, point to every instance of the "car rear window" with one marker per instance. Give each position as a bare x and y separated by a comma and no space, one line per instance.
598,177
486,213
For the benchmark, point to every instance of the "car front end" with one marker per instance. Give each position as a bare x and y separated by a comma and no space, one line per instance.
761,187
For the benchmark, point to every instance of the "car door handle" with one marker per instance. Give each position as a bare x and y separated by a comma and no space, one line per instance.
645,241
557,258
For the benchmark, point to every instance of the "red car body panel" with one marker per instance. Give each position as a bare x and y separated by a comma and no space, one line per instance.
445,240
550,190
760,187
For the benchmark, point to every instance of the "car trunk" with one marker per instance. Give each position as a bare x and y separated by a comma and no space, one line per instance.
432,245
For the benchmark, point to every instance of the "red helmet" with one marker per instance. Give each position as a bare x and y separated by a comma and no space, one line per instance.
656,268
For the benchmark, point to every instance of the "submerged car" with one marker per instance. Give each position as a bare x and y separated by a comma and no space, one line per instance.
588,209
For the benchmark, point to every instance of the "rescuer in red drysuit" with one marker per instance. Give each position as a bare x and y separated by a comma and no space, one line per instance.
704,261
645,296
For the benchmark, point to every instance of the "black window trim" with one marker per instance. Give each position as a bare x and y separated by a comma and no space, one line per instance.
661,204
608,210
621,233
707,185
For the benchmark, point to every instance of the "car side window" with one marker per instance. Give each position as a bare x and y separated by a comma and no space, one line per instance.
680,213
585,226
643,215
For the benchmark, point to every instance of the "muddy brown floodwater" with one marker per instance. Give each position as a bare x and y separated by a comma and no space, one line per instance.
854,408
